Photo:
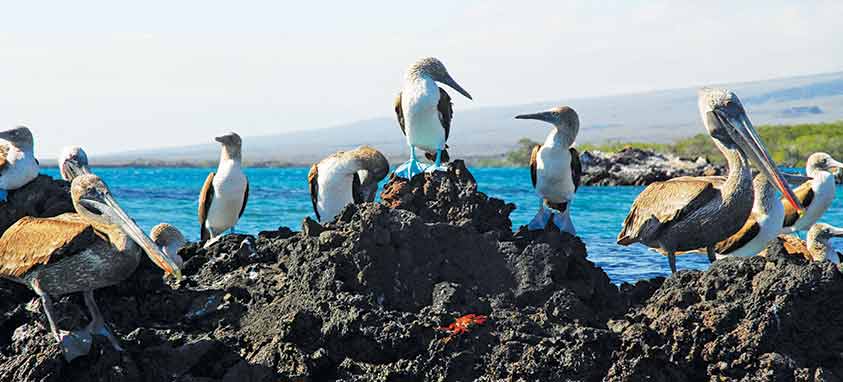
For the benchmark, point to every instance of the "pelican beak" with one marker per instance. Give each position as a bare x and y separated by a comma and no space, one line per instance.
744,134
543,116
131,228
448,80
71,169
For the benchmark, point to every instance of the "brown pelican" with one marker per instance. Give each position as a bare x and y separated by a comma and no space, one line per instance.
95,247
816,247
815,194
225,193
424,112
345,177
73,162
170,240
555,168
686,213
18,165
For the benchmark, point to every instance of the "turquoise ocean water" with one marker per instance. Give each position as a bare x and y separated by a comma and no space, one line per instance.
279,197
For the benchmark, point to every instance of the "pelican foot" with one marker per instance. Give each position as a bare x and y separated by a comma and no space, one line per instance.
100,329
409,169
3,196
74,344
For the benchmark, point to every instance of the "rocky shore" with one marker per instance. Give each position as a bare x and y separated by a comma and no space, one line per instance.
368,298
636,167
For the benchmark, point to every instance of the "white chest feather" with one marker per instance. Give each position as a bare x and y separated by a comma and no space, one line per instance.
229,191
554,180
770,223
824,189
21,168
335,191
419,103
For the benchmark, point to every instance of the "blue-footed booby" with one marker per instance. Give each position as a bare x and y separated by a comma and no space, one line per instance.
345,177
686,213
555,168
424,113
73,162
170,240
18,165
816,247
96,247
815,194
225,192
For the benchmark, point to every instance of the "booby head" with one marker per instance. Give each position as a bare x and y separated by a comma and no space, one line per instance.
232,144
93,201
433,68
73,162
373,168
821,162
564,118
170,240
20,137
726,121
817,240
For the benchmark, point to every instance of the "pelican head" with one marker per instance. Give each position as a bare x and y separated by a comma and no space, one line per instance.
436,70
20,137
94,202
73,162
726,121
231,143
564,118
373,168
170,240
818,237
821,162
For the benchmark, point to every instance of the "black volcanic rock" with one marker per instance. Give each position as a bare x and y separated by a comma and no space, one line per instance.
43,197
637,167
366,296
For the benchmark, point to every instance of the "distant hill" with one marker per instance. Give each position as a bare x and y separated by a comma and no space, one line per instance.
658,116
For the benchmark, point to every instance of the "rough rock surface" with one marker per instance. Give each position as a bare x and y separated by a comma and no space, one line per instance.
43,197
364,298
636,167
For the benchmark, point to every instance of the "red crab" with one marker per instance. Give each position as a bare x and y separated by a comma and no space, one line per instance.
463,325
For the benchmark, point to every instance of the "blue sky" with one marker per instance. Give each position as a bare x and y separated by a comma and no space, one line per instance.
113,76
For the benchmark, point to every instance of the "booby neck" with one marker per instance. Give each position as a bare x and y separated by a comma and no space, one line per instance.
230,156
560,137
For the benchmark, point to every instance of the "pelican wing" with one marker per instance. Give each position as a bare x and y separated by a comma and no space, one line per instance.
312,181
805,194
245,199
576,167
663,202
399,112
35,241
446,111
748,232
534,155
205,198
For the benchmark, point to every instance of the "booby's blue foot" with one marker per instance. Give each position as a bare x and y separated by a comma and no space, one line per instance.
74,344
437,166
3,196
410,168
232,231
564,223
539,222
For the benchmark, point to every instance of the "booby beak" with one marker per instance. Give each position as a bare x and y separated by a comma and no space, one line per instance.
835,232
795,179
448,80
544,116
107,205
744,134
835,164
